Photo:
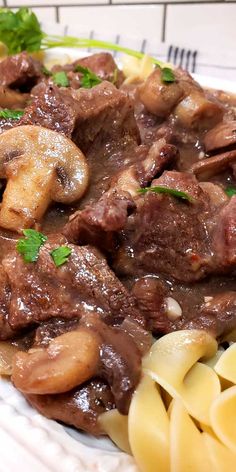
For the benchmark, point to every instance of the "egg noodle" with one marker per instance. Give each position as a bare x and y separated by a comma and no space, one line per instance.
182,416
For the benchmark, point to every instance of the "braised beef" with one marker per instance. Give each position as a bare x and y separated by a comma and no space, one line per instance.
150,293
102,64
149,243
80,407
86,115
51,107
97,223
6,331
20,71
217,315
224,238
42,291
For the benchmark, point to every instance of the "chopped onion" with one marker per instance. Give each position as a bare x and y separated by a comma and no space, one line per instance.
173,309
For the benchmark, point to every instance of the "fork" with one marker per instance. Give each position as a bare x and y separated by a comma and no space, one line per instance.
182,57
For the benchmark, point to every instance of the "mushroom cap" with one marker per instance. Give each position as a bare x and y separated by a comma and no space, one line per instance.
211,166
48,150
221,136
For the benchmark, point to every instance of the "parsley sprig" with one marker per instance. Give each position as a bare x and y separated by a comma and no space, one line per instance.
29,248
89,79
21,31
167,75
169,191
230,191
60,255
60,78
11,114
30,245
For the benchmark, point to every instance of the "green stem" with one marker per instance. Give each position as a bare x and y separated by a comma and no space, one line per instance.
70,41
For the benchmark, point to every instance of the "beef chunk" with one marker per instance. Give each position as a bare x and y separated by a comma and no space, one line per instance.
5,293
80,407
217,315
97,223
102,64
105,117
20,71
85,283
150,293
224,237
101,112
53,108
167,235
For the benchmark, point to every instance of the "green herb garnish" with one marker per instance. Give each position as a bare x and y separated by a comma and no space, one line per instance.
170,191
21,31
61,79
167,75
89,79
12,114
230,191
46,71
30,245
60,255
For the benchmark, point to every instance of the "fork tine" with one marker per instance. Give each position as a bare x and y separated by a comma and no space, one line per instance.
181,57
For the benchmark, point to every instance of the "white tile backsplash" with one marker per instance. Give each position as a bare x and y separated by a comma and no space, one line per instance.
211,27
43,3
142,21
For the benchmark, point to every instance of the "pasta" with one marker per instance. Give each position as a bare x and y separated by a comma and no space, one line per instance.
182,415
136,70
172,362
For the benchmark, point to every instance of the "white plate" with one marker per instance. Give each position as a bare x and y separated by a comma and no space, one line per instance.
31,443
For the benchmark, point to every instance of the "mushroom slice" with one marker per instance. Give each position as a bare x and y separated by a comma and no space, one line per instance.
68,361
197,112
41,166
221,136
210,166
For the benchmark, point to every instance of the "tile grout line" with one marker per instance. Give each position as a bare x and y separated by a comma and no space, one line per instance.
123,3
163,33
57,14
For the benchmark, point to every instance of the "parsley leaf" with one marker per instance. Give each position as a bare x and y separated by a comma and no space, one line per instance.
30,245
20,31
89,79
230,191
61,79
170,191
60,255
12,114
167,75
